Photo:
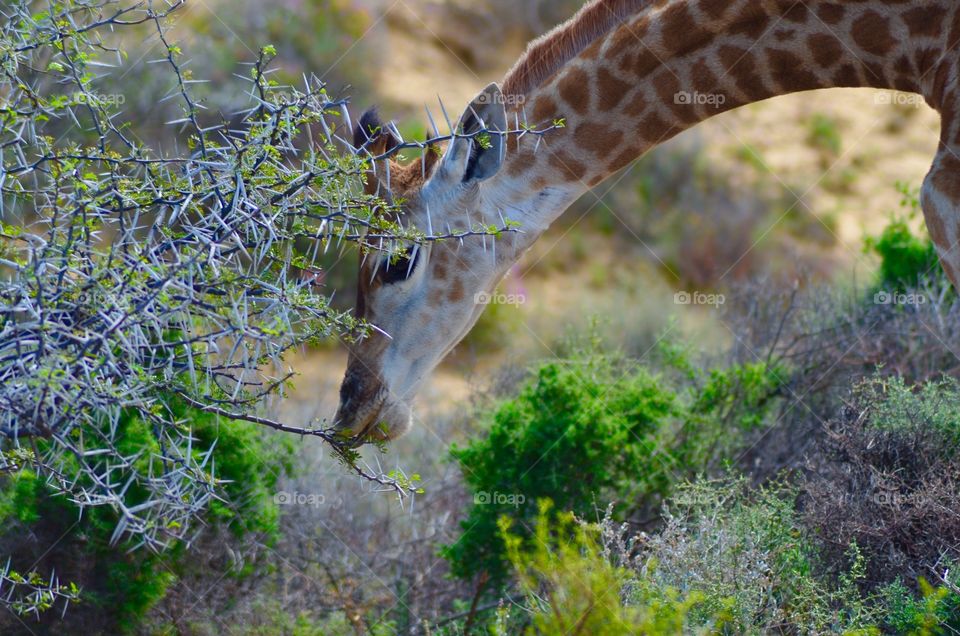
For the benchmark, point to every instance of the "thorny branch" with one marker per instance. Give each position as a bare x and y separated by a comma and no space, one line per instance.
133,281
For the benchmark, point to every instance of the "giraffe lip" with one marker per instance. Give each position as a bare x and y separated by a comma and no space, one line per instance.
344,426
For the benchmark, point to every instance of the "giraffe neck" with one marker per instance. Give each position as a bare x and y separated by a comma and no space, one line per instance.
674,63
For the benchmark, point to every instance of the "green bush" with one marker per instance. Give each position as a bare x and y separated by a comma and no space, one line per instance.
745,553
577,430
905,258
123,583
571,587
923,615
598,428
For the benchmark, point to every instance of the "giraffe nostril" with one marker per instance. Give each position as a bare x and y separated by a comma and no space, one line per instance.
352,387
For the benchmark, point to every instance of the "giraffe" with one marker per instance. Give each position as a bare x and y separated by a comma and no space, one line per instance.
624,76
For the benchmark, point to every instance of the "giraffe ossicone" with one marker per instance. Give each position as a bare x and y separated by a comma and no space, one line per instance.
624,76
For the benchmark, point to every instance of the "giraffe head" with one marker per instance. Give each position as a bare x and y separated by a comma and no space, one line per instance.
424,302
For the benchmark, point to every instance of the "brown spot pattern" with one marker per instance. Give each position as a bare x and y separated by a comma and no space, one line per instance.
597,138
574,88
569,168
826,49
610,89
831,13
871,32
925,21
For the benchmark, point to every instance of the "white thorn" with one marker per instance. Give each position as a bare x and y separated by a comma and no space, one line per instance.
433,124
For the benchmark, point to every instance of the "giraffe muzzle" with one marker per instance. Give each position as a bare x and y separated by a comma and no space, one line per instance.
367,412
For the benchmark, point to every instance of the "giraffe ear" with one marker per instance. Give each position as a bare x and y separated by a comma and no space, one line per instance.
479,155
371,138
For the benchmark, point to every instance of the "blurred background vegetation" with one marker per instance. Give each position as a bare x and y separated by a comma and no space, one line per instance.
784,463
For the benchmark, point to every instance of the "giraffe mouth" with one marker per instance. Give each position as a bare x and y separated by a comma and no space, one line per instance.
358,425
377,420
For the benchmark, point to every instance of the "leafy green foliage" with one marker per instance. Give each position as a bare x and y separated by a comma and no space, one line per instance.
579,429
920,615
905,257
570,586
592,429
747,554
128,582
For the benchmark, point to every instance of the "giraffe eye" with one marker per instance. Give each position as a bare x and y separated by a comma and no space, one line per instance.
398,268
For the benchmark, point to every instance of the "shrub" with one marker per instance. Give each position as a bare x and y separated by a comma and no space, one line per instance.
722,407
119,584
578,430
598,428
745,553
570,587
929,613
905,258
888,478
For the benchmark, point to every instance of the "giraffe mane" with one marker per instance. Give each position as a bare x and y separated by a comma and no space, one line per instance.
548,53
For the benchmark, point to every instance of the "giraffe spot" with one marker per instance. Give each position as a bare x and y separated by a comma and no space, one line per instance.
624,158
788,69
826,49
545,109
636,105
597,138
455,294
679,31
750,23
876,75
596,180
570,169
440,271
575,90
668,90
871,32
610,89
521,163
906,84
940,82
953,39
714,8
741,65
926,58
947,178
655,129
903,66
620,44
798,12
924,21
702,78
642,63
847,76
831,13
